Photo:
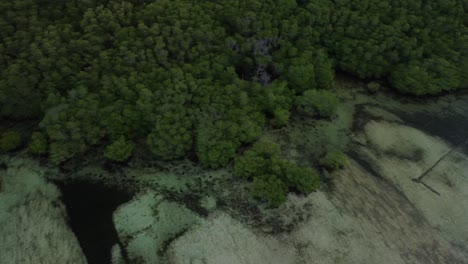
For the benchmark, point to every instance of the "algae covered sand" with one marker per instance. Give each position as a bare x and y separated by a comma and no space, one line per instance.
33,220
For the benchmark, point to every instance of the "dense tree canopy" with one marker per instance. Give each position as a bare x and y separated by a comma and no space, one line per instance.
207,76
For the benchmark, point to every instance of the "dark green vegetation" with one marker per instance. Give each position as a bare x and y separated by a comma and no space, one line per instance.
335,160
272,176
203,78
9,141
318,103
120,150
373,87
38,144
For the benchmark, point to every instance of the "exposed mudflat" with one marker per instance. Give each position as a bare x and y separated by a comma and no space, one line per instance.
403,199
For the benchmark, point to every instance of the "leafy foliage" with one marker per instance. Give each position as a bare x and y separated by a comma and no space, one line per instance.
38,144
271,188
373,87
429,76
305,180
272,176
9,141
335,160
172,136
319,103
120,150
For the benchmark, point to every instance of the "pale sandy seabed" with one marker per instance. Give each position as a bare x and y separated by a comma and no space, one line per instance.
403,199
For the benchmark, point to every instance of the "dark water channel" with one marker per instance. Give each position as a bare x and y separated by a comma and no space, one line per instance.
90,207
450,124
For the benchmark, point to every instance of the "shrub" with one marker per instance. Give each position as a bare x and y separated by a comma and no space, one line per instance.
120,150
59,152
171,138
318,103
271,188
335,160
10,140
429,76
250,165
301,75
272,176
373,87
38,144
266,149
217,154
257,160
309,69
280,117
217,142
304,180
